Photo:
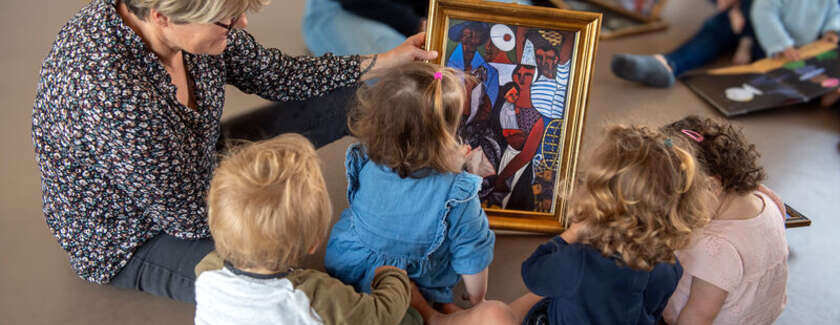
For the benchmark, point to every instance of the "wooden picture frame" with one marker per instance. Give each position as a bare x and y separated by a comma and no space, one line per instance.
509,47
618,21
795,219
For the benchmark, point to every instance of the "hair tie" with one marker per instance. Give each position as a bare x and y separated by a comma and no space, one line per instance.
694,135
669,143
438,75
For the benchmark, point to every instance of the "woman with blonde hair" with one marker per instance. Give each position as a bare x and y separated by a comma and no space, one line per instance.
127,121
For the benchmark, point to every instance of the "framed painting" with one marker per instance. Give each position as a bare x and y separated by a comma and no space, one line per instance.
621,17
526,104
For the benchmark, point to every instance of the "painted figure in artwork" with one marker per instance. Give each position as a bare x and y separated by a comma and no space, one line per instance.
470,36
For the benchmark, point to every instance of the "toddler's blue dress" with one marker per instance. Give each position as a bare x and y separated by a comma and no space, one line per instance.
431,226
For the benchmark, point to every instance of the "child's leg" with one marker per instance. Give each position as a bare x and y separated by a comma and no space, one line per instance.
715,38
743,54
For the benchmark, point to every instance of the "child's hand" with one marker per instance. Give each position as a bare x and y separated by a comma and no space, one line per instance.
789,53
830,37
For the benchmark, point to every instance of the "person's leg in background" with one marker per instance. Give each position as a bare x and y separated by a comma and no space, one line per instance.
322,120
327,27
164,266
714,38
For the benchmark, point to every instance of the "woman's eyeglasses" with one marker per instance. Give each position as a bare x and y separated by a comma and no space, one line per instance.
229,27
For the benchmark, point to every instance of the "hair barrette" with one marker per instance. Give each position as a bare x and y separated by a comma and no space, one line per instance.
438,75
694,135
669,143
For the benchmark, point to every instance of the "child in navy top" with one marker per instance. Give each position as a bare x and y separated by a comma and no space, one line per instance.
411,205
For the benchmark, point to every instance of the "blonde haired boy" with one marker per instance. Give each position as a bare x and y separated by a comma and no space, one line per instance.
269,208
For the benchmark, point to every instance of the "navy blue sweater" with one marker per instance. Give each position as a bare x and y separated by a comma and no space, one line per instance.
581,286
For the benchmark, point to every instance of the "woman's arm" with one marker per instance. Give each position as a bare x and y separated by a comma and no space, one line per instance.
408,51
279,77
276,76
704,303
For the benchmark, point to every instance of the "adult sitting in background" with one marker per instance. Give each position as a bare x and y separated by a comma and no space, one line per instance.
720,33
345,27
127,121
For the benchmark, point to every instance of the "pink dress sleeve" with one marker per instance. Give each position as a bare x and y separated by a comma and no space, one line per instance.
715,260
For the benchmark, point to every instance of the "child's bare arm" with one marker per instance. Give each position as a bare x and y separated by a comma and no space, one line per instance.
704,303
476,285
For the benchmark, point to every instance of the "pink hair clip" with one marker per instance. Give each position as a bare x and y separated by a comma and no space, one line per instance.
694,135
438,75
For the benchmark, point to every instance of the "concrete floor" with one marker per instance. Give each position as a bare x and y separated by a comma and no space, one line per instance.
800,147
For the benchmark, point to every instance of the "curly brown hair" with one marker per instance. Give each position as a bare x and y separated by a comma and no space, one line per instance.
408,119
640,197
724,152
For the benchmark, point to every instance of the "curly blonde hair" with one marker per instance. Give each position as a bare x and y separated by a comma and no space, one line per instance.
268,204
408,119
641,197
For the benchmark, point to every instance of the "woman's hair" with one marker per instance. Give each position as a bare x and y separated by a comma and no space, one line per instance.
724,152
408,119
194,11
268,204
641,197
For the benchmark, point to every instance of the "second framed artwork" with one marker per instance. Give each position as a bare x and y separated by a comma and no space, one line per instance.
526,104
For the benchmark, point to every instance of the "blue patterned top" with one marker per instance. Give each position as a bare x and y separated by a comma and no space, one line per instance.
121,159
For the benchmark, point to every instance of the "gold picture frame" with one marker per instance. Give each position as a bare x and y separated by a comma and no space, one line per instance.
619,21
549,54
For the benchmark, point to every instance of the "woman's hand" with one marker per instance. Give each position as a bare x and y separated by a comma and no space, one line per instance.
408,51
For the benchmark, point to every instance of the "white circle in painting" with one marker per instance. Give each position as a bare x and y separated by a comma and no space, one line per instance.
739,94
502,37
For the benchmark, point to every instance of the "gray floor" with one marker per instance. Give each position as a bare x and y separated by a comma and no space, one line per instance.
800,147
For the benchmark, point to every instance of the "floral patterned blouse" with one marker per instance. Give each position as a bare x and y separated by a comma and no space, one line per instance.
121,159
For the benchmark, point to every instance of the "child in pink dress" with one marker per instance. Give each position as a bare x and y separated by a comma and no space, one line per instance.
736,268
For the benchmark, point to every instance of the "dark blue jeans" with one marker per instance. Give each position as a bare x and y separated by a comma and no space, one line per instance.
714,39
164,265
